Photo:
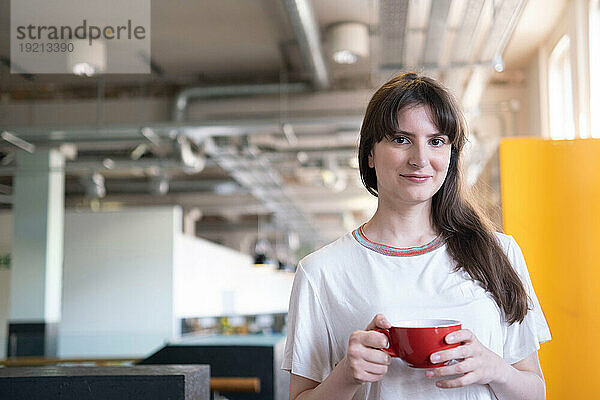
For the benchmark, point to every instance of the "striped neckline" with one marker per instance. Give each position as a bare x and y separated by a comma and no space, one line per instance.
360,237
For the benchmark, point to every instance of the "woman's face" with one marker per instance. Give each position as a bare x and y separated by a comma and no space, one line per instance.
413,165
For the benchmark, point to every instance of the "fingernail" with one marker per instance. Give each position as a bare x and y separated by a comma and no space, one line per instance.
435,358
450,338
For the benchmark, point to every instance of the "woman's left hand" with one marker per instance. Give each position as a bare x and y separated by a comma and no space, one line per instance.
478,363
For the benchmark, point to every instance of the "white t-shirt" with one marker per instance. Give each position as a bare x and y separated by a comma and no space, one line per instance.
341,287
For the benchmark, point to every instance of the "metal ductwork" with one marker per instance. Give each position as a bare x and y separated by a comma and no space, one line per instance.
184,97
307,33
265,184
309,41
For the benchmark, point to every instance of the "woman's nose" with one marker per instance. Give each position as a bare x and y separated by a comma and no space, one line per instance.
417,157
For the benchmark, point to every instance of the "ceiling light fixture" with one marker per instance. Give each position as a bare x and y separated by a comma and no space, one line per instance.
349,42
302,157
160,184
94,185
87,59
108,163
84,69
498,63
289,133
191,155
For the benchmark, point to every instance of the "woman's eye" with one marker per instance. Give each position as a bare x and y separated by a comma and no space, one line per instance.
437,142
399,140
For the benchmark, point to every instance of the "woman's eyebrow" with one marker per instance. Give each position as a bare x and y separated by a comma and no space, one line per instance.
405,133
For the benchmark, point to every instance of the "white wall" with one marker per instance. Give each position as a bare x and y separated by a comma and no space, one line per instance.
212,280
5,247
117,282
129,276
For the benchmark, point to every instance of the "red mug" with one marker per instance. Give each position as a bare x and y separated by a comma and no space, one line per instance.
415,341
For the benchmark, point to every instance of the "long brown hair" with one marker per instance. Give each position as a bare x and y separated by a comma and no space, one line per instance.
468,233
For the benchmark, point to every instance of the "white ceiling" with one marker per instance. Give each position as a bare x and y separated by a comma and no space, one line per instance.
536,22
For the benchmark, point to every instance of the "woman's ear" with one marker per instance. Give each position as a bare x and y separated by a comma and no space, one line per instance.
370,158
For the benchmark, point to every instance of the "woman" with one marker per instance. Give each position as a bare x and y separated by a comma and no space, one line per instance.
425,253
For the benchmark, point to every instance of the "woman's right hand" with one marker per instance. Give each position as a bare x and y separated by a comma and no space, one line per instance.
366,362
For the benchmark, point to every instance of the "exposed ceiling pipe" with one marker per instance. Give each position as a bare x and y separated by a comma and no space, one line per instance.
183,98
505,18
17,142
115,165
140,185
266,184
307,33
436,31
189,221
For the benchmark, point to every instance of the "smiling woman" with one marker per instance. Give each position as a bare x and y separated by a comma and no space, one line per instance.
416,154
425,254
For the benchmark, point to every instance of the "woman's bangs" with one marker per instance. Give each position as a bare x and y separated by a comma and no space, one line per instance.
441,107
388,122
444,117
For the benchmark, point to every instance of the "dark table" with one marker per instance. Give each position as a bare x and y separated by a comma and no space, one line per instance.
147,382
257,356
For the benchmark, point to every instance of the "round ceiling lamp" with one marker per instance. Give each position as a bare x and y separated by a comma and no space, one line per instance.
348,42
87,59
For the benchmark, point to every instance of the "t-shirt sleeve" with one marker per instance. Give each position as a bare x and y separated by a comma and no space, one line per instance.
308,345
523,338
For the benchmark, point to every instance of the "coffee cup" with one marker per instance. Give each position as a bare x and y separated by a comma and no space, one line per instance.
415,341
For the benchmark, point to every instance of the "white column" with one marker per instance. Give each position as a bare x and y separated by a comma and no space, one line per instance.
38,227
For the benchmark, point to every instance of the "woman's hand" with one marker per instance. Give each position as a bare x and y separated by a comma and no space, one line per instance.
478,363
366,362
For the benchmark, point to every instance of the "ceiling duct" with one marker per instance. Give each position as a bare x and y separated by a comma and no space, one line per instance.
258,176
17,142
307,33
393,16
464,44
505,17
183,98
436,31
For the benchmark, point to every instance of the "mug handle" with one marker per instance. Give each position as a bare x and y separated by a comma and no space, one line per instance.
388,349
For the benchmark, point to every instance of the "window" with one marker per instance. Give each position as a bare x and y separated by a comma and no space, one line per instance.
560,91
594,40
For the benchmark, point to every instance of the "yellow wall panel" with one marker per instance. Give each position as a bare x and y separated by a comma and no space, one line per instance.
551,205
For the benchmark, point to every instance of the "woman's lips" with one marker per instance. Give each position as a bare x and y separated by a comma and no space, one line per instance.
417,178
